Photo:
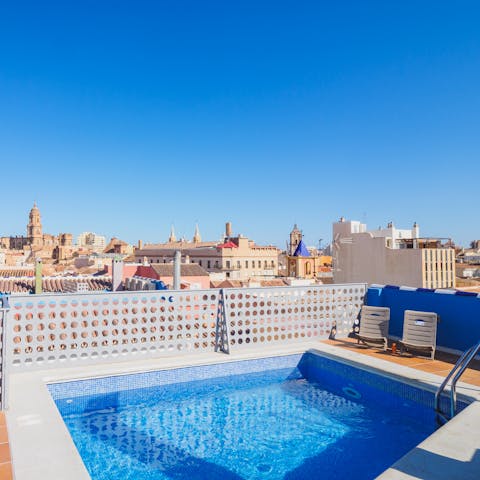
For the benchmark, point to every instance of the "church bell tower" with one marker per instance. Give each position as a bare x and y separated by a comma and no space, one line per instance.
34,228
295,238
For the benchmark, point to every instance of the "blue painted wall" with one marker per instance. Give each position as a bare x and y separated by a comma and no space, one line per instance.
459,326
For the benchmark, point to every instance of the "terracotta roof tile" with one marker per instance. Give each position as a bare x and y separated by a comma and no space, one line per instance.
51,285
186,270
228,244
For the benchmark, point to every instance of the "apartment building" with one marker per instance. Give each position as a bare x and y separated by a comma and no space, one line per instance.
91,241
391,256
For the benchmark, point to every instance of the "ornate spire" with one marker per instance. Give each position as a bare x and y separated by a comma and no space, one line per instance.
196,237
34,209
172,238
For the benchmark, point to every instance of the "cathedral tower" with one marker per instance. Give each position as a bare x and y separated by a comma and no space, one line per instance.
34,228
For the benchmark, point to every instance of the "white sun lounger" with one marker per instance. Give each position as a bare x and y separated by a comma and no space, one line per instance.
419,332
374,326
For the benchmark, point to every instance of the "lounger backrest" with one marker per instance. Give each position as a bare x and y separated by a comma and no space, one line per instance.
420,328
374,321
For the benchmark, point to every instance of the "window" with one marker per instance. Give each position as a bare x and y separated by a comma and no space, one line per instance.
227,263
246,263
238,264
308,268
208,264
199,262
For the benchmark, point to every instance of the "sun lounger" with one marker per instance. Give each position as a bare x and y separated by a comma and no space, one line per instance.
419,332
374,326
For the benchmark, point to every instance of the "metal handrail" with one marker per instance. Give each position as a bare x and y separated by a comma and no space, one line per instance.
462,364
453,391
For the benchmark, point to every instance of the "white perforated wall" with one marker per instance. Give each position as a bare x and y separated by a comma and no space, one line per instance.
257,316
70,329
48,330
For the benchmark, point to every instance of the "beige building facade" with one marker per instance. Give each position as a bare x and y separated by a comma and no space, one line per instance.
390,256
235,258
91,241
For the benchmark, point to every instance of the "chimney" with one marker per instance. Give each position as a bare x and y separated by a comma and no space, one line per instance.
176,270
228,229
140,244
117,274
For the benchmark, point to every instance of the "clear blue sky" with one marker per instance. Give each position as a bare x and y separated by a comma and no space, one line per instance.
125,117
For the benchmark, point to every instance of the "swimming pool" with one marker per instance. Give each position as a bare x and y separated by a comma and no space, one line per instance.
289,417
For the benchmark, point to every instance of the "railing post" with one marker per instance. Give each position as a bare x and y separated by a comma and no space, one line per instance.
4,309
453,388
222,340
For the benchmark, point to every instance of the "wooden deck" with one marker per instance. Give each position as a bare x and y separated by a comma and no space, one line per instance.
442,364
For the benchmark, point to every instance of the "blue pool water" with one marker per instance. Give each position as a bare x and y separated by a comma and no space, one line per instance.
311,418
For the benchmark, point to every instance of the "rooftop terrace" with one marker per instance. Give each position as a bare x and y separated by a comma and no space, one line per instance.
57,337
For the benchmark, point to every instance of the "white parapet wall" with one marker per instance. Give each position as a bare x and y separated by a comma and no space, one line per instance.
51,331
283,315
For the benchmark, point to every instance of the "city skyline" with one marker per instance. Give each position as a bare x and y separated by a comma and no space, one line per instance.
124,120
181,236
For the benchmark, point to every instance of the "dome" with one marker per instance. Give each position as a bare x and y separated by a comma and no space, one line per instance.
34,214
